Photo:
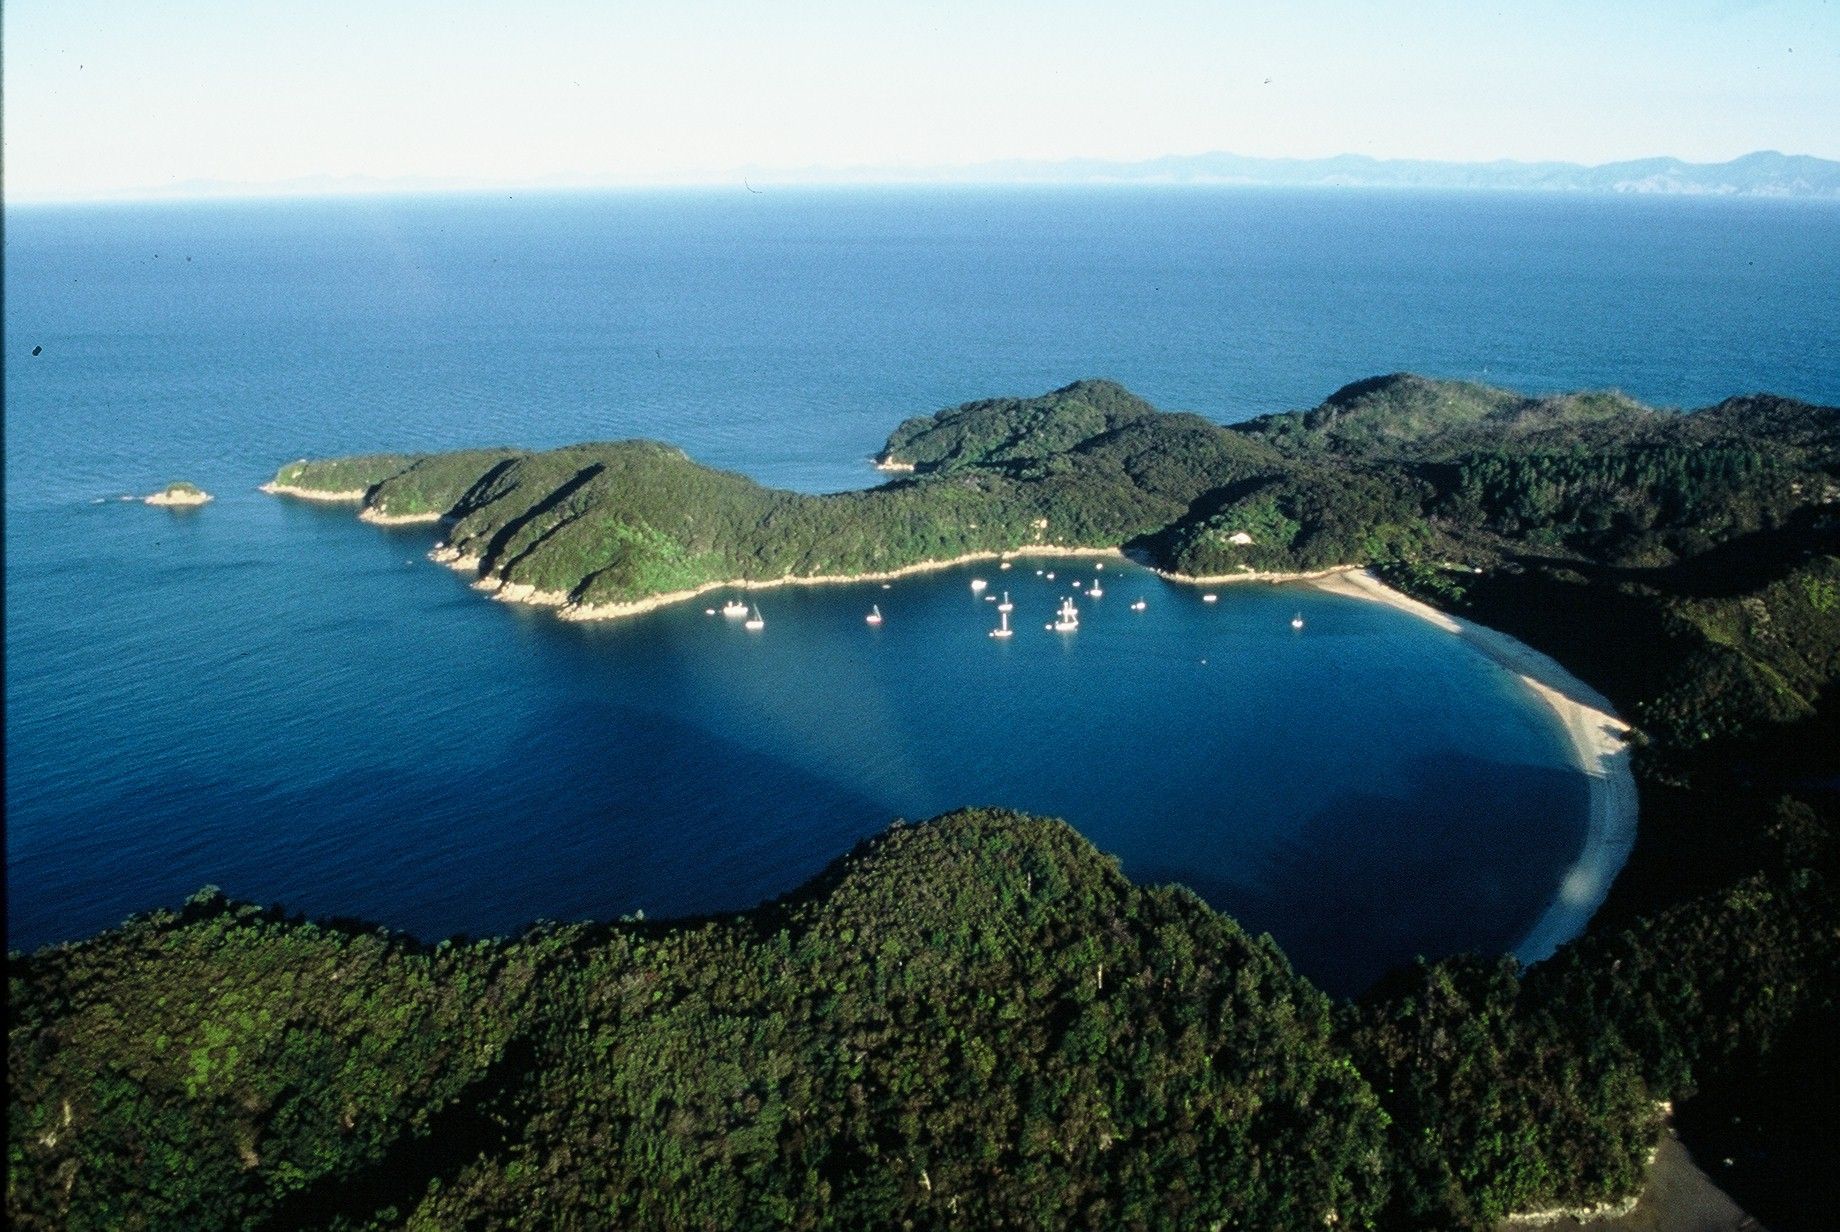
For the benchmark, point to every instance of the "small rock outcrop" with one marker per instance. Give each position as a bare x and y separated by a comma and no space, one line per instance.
180,493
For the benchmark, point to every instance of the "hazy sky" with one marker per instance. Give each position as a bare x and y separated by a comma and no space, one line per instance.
107,95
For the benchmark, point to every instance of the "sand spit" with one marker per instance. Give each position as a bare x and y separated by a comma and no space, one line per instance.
352,496
1599,741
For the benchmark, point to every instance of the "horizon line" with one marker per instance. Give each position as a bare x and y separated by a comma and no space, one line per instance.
1075,171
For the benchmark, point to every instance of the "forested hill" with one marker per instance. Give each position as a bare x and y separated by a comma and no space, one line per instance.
1394,468
974,1022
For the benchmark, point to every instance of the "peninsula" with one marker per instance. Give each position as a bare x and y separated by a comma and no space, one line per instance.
1390,471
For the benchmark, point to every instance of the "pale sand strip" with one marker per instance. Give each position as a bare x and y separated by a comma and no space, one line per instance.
1598,738
351,497
520,592
376,518
1250,575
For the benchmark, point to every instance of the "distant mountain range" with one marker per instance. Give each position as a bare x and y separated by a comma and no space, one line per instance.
1766,173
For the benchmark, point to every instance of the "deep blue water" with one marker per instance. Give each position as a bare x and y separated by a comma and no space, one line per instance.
299,708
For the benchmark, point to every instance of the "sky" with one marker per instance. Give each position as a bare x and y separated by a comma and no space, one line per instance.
111,97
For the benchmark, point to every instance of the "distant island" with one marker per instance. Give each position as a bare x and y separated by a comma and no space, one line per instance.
1763,173
978,1021
179,493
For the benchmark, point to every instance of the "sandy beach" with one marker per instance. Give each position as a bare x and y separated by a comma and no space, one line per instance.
1599,740
519,592
1250,575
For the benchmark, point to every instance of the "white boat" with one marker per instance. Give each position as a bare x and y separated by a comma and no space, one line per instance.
1094,590
1038,573
1006,565
887,585
1297,621
709,611
1099,565
1003,629
875,614
1139,606
978,584
1067,619
755,621
1049,575
734,607
1006,605
1210,598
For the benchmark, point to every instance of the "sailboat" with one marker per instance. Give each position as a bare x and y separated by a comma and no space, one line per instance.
755,621
734,607
1006,605
875,614
1297,621
1003,629
1068,618
1094,590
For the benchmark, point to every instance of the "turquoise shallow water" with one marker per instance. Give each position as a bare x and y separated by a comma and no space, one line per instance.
277,699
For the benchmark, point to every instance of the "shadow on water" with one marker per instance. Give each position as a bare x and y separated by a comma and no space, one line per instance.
681,820
1373,880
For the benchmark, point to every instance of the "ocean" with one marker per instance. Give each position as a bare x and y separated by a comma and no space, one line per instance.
301,709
